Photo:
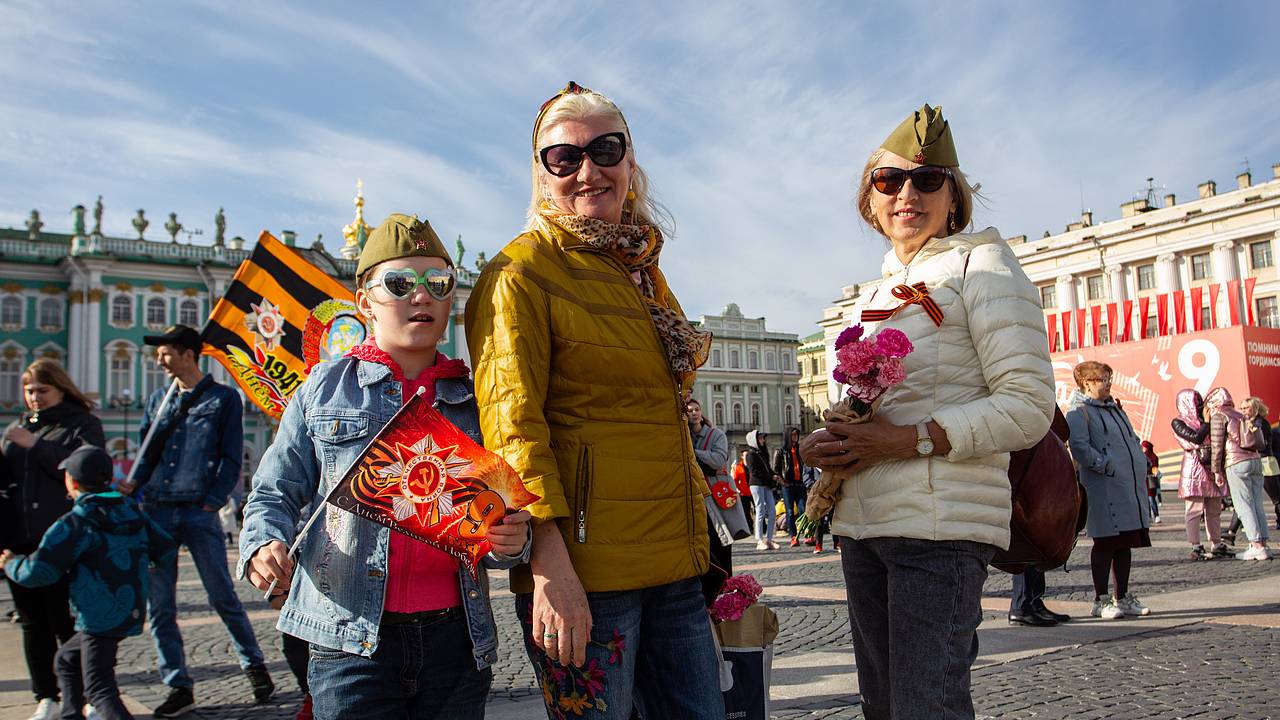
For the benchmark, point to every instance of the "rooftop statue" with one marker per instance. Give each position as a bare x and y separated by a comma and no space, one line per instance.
173,227
33,225
77,223
140,223
220,228
97,217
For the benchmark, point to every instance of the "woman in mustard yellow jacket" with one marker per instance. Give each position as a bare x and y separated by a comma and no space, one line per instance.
582,359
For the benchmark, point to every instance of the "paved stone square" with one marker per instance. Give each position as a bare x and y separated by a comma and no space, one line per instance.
1214,656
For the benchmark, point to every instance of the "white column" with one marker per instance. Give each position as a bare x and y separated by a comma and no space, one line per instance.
93,316
76,353
1225,266
1167,272
1116,279
1066,290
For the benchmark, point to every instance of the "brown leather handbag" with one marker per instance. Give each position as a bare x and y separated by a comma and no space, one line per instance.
1049,504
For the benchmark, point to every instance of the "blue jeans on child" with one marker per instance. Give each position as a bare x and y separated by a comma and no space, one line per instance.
201,532
650,649
422,669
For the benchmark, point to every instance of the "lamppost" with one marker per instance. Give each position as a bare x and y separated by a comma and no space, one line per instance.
122,402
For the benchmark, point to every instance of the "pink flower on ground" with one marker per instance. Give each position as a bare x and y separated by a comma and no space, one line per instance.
891,373
893,343
856,358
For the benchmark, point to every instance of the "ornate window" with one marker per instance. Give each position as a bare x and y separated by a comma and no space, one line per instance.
189,313
11,375
51,314
1096,287
11,312
786,361
735,360
715,357
737,413
753,360
768,361
719,413
157,313
152,377
122,310
788,415
120,357
755,414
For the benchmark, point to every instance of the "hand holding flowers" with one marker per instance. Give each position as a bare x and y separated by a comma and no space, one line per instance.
868,367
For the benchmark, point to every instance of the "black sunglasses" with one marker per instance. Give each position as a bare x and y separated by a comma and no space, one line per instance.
929,178
564,159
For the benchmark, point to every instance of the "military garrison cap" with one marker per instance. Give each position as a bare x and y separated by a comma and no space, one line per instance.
925,138
401,236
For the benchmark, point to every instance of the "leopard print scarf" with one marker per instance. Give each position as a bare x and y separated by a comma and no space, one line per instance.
638,248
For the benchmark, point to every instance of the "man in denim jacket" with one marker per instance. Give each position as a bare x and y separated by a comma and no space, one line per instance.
183,488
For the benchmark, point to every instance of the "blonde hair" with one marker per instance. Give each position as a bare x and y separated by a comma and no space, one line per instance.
1259,407
579,106
961,191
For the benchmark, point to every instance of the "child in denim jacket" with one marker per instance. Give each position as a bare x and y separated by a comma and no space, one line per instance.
106,543
397,628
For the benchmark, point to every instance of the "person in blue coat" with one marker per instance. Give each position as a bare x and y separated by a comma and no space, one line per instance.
1113,471
106,545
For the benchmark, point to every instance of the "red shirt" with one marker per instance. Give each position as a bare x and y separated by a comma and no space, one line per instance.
419,577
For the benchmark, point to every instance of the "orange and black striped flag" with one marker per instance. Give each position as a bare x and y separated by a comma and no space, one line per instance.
279,317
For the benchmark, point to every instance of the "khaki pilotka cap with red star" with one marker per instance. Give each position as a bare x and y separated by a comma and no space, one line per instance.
401,236
924,138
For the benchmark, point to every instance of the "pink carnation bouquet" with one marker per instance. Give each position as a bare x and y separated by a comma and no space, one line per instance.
867,366
738,593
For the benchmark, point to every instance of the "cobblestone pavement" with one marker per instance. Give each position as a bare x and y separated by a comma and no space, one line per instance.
1201,671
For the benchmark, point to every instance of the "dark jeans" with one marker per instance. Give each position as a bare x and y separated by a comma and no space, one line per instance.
793,497
87,671
1271,484
914,654
651,650
44,613
1028,592
421,669
297,653
201,532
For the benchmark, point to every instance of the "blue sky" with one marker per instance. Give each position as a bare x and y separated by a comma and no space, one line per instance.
752,118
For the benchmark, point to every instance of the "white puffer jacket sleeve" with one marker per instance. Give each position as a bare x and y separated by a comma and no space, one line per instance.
1007,327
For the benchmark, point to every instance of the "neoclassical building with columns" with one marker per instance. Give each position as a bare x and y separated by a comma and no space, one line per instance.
1163,267
86,299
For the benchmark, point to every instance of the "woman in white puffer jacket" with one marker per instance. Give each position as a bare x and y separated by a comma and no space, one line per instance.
929,502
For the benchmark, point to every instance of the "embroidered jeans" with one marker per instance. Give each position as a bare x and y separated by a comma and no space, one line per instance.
650,649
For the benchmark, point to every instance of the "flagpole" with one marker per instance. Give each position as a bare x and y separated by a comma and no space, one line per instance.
297,541
151,431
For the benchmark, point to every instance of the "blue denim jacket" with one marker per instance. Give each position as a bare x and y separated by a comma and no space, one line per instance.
200,464
340,572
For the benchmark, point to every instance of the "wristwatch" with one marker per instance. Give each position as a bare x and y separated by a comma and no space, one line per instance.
924,443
